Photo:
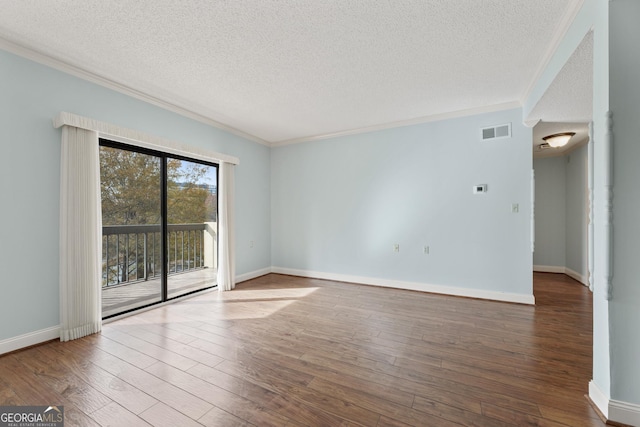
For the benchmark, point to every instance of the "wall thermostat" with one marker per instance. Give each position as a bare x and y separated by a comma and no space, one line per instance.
479,188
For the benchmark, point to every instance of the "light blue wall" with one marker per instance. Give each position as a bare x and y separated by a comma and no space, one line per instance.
562,212
550,212
577,214
625,105
31,95
594,15
339,205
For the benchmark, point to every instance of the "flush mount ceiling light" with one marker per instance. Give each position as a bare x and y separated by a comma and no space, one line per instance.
558,139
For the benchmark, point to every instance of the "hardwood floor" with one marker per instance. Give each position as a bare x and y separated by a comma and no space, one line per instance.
289,351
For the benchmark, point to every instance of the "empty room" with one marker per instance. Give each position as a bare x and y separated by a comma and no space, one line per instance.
320,213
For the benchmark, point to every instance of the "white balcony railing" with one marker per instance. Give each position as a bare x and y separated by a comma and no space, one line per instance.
132,253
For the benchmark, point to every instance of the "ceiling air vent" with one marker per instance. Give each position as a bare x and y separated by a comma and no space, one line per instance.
496,132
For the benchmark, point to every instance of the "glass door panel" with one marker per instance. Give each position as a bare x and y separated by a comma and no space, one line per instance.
191,226
131,192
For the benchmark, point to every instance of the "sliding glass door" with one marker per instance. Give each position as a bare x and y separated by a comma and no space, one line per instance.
131,187
159,230
191,226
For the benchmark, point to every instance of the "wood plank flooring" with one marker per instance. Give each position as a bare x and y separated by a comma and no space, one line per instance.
289,351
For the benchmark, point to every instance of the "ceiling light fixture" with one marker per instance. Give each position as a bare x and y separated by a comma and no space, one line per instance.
558,139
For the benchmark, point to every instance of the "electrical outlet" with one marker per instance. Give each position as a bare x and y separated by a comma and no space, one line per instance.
251,243
515,208
396,247
426,250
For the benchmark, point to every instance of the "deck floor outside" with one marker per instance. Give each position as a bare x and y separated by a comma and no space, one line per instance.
128,296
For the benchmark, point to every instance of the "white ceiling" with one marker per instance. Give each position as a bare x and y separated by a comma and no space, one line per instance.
289,70
567,105
569,98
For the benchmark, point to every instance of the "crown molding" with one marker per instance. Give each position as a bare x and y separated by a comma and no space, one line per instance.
563,28
401,123
159,101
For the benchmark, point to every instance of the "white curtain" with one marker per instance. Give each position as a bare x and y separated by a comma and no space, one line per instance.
80,234
226,243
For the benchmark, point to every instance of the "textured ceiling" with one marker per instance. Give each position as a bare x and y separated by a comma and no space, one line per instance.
567,105
569,98
285,70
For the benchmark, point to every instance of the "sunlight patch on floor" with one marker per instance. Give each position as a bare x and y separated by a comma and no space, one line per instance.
231,305
257,303
265,294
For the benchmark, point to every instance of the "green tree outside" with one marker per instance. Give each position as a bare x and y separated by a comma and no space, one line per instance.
130,184
131,195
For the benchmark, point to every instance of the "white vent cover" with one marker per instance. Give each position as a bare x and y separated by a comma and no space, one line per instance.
496,132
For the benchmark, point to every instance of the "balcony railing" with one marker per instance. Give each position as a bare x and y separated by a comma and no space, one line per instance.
132,253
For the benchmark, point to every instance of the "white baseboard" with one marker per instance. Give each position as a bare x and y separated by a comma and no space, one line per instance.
577,276
28,339
614,410
548,269
625,413
252,274
563,270
423,287
599,398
